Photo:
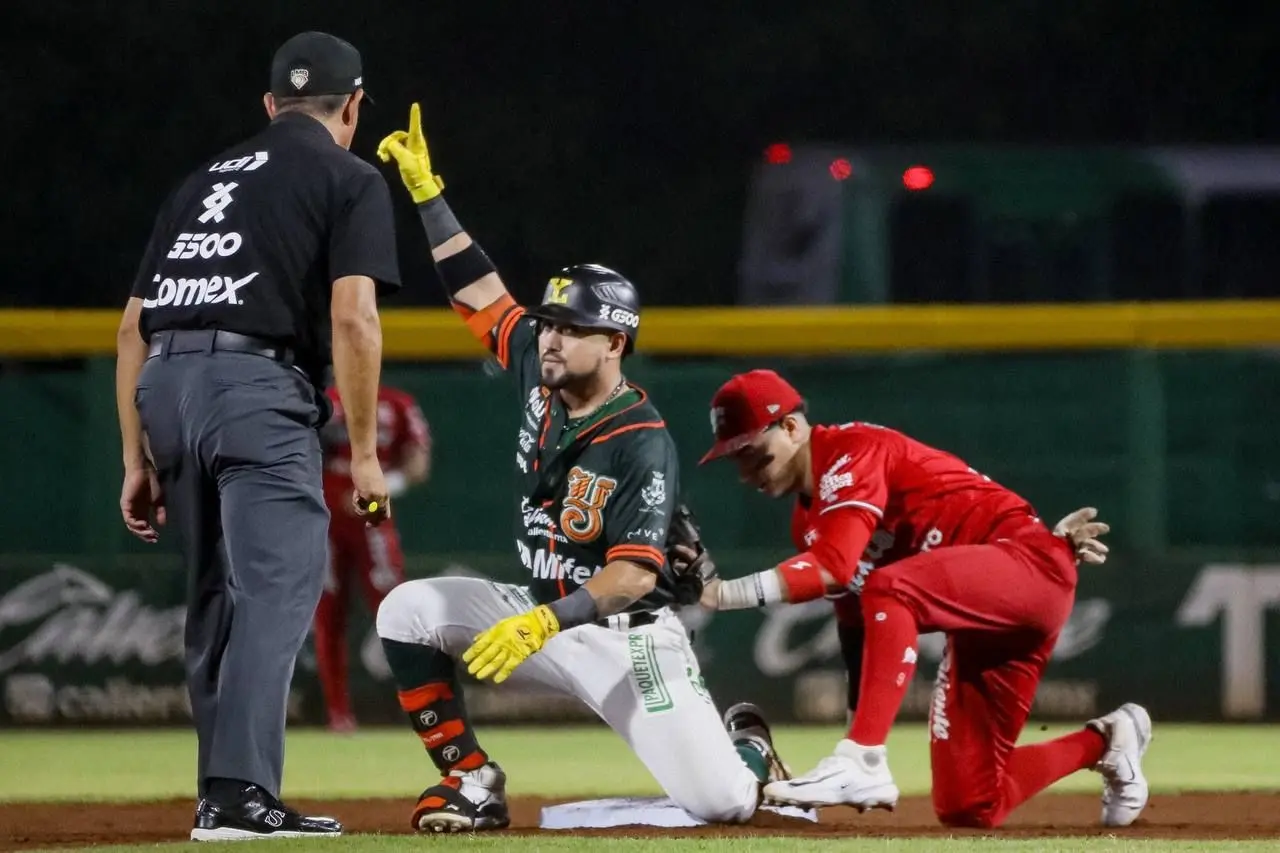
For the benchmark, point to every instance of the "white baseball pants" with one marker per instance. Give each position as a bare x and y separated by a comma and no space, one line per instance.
644,682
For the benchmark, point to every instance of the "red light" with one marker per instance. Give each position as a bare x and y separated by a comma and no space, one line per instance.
777,154
840,169
917,178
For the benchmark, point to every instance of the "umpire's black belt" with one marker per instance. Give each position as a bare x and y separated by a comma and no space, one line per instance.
627,621
217,340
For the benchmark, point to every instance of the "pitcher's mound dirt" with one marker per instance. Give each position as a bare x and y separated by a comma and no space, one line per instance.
1209,815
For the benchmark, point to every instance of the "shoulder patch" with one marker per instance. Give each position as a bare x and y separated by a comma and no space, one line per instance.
655,494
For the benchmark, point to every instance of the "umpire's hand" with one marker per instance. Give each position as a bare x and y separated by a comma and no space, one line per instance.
140,499
369,492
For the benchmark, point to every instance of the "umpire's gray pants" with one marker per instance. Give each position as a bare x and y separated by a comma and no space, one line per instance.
234,441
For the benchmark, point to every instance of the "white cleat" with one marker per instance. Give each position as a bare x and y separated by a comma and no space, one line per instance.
855,776
1128,733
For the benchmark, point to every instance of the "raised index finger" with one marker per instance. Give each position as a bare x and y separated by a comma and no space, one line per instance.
416,139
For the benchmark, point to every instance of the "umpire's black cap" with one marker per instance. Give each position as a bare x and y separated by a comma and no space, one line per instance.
315,63
590,296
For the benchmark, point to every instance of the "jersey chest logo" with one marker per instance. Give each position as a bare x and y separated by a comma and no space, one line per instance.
582,518
536,408
830,484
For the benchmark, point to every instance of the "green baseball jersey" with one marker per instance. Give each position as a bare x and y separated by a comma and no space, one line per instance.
592,492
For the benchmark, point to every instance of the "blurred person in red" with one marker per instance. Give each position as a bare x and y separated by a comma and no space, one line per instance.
361,554
908,539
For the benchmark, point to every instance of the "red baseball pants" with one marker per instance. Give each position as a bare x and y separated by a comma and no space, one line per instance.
369,557
1002,606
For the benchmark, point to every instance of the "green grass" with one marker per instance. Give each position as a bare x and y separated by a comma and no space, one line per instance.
584,762
569,761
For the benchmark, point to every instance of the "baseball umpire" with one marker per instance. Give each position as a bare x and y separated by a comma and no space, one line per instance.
222,352
598,515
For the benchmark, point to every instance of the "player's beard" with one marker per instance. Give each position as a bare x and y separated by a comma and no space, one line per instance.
558,375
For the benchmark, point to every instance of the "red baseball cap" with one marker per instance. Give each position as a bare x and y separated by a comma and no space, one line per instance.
746,406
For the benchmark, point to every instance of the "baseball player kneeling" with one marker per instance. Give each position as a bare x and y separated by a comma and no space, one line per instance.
908,539
607,548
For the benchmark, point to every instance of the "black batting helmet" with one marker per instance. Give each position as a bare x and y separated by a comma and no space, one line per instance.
591,297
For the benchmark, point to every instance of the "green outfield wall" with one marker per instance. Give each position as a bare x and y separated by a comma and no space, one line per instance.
1176,448
1180,450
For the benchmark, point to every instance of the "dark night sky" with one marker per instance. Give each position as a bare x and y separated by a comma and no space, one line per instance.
579,131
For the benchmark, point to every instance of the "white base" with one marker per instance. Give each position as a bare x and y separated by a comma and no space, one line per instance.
638,811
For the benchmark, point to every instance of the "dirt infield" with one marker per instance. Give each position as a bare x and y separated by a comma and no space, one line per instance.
1209,815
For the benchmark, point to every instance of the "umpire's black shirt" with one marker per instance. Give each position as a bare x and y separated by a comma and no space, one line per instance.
252,241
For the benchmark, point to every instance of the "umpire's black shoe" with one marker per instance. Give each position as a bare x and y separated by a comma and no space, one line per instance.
257,814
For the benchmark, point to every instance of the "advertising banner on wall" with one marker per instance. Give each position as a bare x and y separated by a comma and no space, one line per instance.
86,644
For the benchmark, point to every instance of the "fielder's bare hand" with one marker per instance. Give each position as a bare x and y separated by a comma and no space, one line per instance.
142,503
1082,531
369,491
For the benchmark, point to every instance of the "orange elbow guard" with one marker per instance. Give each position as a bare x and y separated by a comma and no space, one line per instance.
484,321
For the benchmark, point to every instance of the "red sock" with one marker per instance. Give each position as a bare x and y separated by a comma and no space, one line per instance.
331,654
888,662
1031,769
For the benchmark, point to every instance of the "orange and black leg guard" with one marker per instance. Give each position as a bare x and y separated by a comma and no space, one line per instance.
430,694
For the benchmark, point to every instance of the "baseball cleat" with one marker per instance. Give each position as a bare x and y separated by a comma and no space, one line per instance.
465,800
745,722
855,775
342,724
1125,792
257,814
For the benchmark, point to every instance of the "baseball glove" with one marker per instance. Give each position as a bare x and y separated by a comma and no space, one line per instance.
689,565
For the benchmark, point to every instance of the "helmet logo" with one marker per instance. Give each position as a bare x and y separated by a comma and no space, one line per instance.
717,419
555,290
621,316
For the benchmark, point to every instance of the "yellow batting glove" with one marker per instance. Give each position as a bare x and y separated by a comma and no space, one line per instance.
409,148
498,651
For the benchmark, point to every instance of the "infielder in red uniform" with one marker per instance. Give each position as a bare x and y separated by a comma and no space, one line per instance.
358,553
909,540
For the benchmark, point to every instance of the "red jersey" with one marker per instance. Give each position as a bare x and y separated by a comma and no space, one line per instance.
400,425
885,496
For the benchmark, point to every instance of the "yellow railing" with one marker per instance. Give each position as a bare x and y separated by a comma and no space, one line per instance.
438,334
